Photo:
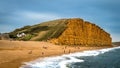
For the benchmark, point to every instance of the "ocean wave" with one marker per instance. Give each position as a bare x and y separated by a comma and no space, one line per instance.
65,60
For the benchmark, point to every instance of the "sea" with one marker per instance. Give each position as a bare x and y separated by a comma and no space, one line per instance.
103,58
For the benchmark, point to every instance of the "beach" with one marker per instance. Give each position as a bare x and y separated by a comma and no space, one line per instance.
14,53
85,59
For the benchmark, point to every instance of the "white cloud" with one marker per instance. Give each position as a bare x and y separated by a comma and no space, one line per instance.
22,18
28,15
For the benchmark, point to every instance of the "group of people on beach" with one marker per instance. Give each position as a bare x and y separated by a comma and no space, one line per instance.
30,52
65,50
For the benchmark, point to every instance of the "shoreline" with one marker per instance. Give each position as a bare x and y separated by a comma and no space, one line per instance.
14,53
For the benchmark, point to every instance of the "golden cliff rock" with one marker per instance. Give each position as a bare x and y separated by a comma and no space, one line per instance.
74,31
80,32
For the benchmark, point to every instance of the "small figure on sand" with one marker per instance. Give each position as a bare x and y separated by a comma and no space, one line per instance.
30,52
78,47
69,50
65,47
42,53
64,51
44,47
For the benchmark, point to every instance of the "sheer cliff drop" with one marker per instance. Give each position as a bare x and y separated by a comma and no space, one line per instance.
80,32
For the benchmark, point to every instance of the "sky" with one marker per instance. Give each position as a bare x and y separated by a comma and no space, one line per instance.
18,13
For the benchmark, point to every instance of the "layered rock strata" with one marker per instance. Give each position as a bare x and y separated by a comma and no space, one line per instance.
80,32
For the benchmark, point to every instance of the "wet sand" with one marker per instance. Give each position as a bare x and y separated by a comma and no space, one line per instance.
14,53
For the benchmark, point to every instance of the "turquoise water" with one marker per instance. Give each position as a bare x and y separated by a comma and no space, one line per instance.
104,58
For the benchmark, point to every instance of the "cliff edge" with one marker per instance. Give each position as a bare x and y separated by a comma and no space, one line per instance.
73,31
80,32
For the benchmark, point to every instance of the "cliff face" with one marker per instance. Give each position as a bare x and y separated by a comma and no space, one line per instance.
73,31
79,32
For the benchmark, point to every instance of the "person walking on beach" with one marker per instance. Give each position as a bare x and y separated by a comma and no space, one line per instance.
65,47
42,53
44,47
69,50
30,52
64,51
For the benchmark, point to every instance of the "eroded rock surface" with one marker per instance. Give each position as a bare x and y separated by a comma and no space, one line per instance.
80,32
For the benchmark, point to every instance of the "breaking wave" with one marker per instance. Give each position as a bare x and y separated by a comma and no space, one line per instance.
65,61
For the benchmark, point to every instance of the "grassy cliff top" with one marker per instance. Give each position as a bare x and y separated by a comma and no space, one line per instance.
42,31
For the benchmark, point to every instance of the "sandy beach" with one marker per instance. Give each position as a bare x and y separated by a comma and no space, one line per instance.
14,53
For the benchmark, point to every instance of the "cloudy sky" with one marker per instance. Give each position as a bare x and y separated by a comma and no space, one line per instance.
18,13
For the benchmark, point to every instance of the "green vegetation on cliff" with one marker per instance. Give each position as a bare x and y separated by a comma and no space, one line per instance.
74,31
51,29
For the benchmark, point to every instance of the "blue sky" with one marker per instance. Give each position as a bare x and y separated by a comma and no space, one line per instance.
18,13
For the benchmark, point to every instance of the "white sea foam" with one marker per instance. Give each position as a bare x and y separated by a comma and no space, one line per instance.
64,60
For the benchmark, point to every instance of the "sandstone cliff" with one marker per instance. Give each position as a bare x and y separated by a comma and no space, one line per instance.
79,32
74,31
